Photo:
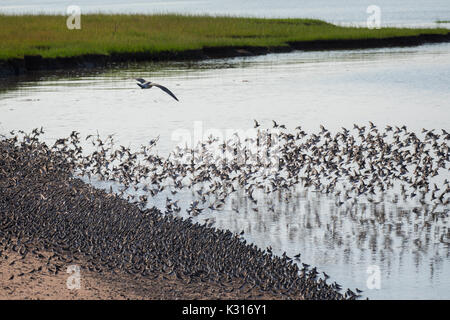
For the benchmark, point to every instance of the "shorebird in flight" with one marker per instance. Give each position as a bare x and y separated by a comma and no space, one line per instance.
144,84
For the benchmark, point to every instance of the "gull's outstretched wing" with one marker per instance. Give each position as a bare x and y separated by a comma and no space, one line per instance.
141,80
164,89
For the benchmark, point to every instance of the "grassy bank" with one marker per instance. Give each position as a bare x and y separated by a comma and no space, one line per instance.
48,36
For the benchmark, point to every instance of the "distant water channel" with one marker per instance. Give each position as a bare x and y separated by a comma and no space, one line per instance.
399,13
398,86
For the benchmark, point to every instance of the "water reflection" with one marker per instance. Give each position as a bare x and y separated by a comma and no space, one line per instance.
398,86
411,249
406,237
348,87
410,13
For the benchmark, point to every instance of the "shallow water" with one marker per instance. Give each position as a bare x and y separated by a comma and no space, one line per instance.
400,86
401,12
403,86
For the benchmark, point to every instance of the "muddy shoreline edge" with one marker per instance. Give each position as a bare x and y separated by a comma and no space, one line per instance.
48,213
29,64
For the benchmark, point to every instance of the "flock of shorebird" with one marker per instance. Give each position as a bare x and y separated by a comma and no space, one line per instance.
348,165
364,161
45,209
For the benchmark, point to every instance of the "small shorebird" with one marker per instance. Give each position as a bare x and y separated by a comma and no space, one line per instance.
144,84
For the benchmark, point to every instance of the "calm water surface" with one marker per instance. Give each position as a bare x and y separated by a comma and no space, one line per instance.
403,86
399,12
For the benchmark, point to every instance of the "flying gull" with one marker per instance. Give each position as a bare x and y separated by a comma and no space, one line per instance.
144,84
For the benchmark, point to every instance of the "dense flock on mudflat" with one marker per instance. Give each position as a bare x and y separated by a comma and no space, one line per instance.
45,201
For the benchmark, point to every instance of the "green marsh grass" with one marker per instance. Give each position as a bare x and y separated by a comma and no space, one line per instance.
48,35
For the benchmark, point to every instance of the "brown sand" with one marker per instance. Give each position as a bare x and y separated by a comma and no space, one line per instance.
37,277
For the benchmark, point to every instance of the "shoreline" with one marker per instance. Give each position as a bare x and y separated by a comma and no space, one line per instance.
45,43
42,275
32,63
46,212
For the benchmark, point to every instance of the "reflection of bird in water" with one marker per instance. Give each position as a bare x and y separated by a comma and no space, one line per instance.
364,163
144,84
